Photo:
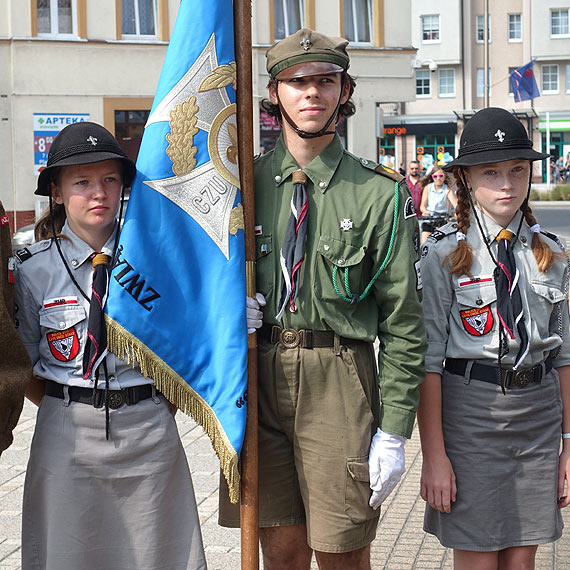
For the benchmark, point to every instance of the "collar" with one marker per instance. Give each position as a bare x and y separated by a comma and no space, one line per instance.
492,229
77,251
320,171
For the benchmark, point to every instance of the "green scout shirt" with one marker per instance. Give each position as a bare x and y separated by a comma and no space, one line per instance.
346,192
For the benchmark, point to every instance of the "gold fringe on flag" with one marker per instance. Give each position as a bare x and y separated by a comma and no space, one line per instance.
130,349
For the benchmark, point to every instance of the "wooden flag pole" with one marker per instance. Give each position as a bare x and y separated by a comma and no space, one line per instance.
249,455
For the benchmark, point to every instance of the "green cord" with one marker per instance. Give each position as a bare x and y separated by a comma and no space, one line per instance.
351,297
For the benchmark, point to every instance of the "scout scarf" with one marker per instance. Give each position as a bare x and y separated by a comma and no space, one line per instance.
293,248
509,303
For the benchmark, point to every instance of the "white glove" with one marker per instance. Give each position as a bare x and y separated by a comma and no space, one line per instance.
386,463
253,312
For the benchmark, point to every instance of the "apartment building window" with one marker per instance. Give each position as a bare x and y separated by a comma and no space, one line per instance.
511,69
358,21
446,82
515,27
481,82
559,23
567,78
481,30
139,18
430,28
56,17
289,16
550,79
423,83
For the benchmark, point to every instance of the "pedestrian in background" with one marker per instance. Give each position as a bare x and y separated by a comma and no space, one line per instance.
413,182
107,483
496,398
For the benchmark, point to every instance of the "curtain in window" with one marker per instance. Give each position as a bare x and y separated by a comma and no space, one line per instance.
64,17
44,17
146,17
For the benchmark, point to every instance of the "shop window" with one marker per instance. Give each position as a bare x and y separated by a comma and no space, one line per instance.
288,17
358,21
431,149
515,27
56,18
129,129
559,23
423,83
430,28
550,79
387,151
139,18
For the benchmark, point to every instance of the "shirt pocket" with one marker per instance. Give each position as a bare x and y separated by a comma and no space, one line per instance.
475,308
333,253
545,299
63,333
264,263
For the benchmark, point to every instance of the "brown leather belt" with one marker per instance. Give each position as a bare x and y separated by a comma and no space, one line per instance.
117,398
509,378
305,338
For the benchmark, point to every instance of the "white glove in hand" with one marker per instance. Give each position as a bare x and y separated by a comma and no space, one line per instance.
387,463
253,312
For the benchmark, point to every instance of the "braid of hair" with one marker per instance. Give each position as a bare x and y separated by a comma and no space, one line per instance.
461,258
544,256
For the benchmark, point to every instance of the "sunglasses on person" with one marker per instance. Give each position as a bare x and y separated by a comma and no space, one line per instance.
438,175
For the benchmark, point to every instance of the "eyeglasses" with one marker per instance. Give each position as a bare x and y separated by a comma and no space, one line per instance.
438,175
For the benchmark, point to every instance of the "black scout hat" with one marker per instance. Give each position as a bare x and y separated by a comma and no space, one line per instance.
83,143
493,135
307,46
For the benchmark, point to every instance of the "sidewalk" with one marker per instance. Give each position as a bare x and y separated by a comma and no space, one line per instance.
401,544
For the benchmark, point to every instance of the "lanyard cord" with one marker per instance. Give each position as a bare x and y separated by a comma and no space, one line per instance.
353,298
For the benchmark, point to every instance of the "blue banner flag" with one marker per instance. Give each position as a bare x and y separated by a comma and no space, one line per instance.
176,304
524,83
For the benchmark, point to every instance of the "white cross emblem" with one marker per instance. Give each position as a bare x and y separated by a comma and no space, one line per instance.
92,140
346,224
305,43
500,135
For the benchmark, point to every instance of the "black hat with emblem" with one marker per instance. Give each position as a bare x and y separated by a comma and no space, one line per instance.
493,135
83,143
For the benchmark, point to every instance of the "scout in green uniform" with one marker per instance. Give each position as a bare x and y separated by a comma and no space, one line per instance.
337,261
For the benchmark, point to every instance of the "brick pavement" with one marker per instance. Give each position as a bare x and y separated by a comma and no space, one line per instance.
401,543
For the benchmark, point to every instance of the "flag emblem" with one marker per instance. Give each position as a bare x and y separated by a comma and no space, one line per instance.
64,345
478,321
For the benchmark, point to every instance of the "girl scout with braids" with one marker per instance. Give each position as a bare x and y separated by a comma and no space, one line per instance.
496,398
107,484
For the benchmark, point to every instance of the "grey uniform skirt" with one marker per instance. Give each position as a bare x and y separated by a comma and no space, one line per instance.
123,504
504,451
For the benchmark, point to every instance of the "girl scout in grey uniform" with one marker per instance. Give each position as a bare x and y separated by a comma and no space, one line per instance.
496,398
126,500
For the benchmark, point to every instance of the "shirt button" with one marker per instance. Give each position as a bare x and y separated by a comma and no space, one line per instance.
341,261
322,184
550,295
278,179
364,161
111,378
62,324
523,239
74,262
479,301
326,247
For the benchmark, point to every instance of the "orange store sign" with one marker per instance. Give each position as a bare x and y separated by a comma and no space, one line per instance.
398,131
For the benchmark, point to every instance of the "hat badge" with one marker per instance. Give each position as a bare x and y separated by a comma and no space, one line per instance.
92,140
500,135
306,43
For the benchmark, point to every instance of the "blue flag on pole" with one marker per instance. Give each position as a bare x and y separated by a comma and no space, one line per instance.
524,83
176,305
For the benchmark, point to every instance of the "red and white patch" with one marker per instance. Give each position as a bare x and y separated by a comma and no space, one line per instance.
477,322
258,230
64,345
464,281
4,221
58,301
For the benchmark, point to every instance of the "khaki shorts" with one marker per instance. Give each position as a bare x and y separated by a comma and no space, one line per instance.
318,410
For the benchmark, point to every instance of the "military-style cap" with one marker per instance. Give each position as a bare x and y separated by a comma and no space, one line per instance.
308,46
493,135
83,143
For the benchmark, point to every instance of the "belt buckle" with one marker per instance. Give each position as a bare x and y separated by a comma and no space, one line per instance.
290,338
116,399
522,378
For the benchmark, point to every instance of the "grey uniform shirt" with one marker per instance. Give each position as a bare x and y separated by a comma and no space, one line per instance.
51,315
461,312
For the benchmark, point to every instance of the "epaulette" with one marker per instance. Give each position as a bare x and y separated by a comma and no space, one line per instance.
27,252
446,230
554,238
389,173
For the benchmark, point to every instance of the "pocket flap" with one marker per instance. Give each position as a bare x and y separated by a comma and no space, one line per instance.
61,318
548,291
340,253
358,470
476,296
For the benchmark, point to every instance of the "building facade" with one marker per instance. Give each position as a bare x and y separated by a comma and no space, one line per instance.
68,60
